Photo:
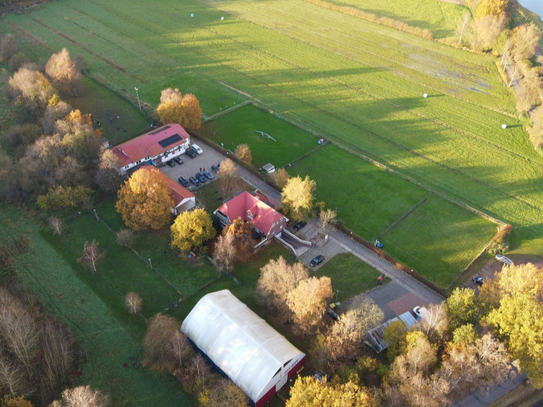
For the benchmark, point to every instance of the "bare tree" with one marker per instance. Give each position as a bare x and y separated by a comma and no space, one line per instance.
82,396
536,129
465,20
328,219
524,40
224,252
56,224
435,324
278,279
182,349
9,46
157,343
308,301
229,179
125,237
13,380
133,303
91,255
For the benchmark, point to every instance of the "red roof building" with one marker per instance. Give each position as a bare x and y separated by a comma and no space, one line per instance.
155,147
256,209
183,199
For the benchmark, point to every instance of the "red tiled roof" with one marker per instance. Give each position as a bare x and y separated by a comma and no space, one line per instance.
147,145
179,193
263,216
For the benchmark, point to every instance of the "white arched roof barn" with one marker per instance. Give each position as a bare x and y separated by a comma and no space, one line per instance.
249,351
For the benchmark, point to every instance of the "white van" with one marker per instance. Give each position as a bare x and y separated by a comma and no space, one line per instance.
197,148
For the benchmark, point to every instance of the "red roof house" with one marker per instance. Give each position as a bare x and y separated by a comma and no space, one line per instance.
183,199
256,209
157,146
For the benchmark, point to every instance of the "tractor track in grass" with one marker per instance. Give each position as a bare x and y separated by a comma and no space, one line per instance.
107,61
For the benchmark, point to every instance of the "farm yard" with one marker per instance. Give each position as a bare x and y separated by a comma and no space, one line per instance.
309,64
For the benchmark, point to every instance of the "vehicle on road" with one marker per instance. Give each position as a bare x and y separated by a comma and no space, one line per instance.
208,174
170,164
299,225
178,160
200,177
215,168
503,259
183,181
317,260
197,149
477,280
194,181
190,152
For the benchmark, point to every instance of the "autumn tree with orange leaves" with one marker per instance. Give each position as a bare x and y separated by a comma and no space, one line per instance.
145,200
176,108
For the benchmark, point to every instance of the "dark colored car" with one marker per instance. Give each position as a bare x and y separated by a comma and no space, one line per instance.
317,260
200,177
178,160
477,280
183,181
299,225
170,164
194,181
190,152
208,175
332,314
214,168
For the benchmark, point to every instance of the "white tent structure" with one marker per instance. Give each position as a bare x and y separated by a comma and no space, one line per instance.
253,355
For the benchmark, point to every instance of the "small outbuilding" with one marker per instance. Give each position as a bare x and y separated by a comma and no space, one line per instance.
242,345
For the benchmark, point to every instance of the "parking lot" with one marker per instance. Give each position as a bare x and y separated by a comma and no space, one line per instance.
191,166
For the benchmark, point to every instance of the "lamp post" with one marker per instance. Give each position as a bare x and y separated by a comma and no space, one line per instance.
138,96
222,147
150,264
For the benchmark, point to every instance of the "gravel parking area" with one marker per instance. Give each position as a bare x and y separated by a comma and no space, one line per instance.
191,166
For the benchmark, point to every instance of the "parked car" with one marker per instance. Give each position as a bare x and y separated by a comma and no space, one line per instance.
178,160
214,168
503,259
194,181
317,260
200,177
183,181
477,280
190,152
299,225
170,164
208,175
197,149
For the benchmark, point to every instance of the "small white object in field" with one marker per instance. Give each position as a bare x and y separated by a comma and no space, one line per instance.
425,95
504,126
191,14
222,18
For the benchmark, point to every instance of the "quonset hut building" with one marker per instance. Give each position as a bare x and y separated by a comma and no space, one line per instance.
242,345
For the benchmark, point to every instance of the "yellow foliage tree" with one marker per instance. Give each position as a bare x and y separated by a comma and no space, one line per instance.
308,392
243,152
298,197
280,177
519,317
191,230
62,70
492,8
176,108
145,200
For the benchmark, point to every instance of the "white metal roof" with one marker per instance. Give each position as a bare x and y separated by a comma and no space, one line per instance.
238,341
376,334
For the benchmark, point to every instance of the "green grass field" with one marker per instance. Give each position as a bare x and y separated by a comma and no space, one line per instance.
438,239
438,16
238,127
349,275
102,328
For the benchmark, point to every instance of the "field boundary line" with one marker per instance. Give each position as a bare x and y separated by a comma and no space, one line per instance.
231,109
413,181
409,212
142,259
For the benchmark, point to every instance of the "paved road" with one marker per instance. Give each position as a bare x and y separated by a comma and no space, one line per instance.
481,399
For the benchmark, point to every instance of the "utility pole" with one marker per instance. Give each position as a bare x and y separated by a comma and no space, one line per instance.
138,96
